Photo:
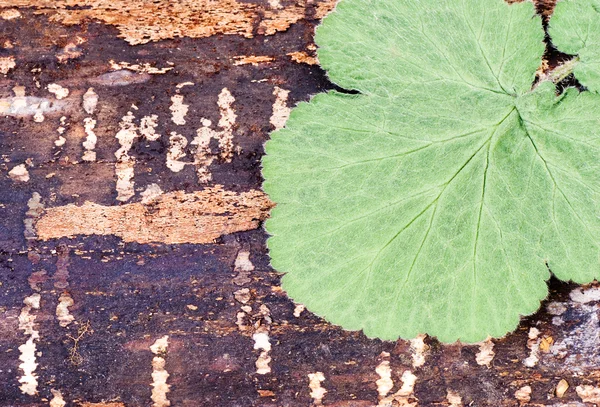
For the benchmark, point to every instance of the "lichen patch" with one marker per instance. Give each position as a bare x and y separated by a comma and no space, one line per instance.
202,156
533,343
148,126
523,394
419,350
486,353
57,399
176,217
317,392
254,60
385,382
19,173
281,111
298,310
178,110
151,192
262,343
588,393
160,388
58,91
583,295
226,122
454,399
124,167
10,14
140,68
62,310
302,57
177,145
28,379
90,101
6,64
90,141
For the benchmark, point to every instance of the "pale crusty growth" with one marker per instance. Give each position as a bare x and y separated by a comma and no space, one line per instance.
10,14
253,60
281,111
141,68
261,340
6,64
303,58
385,382
19,173
148,126
62,310
90,101
226,122
588,393
418,348
58,91
28,379
174,217
317,392
454,399
57,399
486,353
160,388
124,167
90,141
178,110
523,394
176,152
143,21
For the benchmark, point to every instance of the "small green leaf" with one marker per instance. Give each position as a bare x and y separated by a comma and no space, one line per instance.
434,201
575,29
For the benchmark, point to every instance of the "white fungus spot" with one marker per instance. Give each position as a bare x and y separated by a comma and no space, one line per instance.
176,151
523,394
6,64
384,383
124,168
178,110
58,91
90,101
486,353
28,379
62,310
90,141
160,388
317,392
19,173
584,295
57,399
418,348
148,126
281,112
533,343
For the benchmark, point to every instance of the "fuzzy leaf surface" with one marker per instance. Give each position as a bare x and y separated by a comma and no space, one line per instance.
575,29
433,201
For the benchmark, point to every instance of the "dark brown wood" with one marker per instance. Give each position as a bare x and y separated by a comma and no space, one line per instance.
108,302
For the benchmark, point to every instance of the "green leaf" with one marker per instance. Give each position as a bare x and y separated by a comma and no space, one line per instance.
575,29
435,200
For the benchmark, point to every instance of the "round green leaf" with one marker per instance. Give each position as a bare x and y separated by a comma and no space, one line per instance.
575,29
434,201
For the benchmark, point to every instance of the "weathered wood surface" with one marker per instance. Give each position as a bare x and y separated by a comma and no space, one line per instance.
133,266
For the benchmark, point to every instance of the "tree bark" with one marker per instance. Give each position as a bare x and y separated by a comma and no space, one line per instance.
133,264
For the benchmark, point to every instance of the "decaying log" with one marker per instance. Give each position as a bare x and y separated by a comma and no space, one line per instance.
133,264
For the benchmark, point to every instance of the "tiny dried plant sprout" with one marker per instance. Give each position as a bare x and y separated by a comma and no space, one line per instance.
440,198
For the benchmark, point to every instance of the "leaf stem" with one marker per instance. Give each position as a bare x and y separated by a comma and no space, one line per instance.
562,71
